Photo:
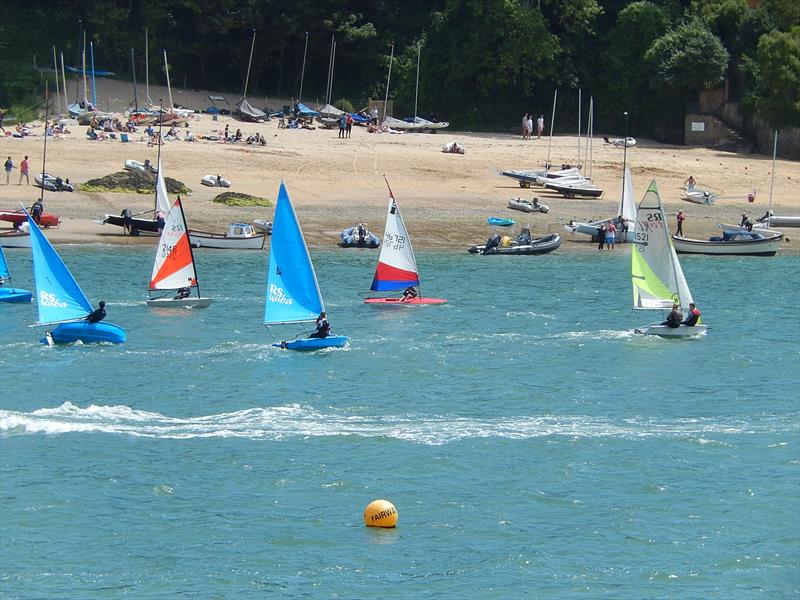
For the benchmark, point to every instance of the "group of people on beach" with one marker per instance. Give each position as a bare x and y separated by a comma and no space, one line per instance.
527,126
24,170
607,234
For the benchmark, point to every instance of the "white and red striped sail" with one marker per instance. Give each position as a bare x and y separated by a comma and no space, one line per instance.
397,267
174,265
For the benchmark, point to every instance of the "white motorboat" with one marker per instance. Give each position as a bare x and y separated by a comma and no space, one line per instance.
738,242
698,196
240,236
215,181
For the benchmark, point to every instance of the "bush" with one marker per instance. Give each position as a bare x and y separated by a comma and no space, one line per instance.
344,104
240,199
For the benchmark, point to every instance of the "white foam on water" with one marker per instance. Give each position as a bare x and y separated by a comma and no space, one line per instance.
296,420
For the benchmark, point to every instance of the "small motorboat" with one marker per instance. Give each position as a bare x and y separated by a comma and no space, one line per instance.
52,183
135,165
698,196
215,181
240,236
453,148
497,245
528,206
262,225
500,221
358,236
19,219
739,242
620,142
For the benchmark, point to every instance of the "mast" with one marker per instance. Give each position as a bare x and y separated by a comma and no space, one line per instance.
55,68
169,89
302,71
135,96
63,80
44,153
250,62
191,252
416,93
77,79
552,122
388,79
589,134
158,164
83,57
94,83
772,179
624,163
146,69
579,127
400,215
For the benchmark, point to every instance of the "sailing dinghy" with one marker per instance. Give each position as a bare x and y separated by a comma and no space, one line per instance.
656,273
292,294
9,294
61,301
173,268
397,266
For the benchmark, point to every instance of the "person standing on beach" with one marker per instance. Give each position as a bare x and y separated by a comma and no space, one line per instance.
23,171
530,126
525,126
9,164
611,235
348,124
539,126
681,218
601,237
37,209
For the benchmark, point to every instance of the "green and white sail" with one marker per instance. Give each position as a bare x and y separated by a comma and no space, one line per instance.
656,274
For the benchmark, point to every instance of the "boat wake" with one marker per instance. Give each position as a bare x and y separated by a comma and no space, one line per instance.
299,420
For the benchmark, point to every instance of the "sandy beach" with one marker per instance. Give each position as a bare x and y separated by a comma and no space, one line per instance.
445,198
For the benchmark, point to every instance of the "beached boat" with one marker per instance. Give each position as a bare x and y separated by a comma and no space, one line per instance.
773,220
53,183
292,294
240,236
576,188
19,217
500,221
61,301
494,246
358,236
215,181
656,275
620,142
173,268
262,225
528,206
10,294
626,209
698,196
135,165
397,265
732,241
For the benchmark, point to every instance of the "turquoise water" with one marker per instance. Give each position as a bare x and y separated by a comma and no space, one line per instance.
532,445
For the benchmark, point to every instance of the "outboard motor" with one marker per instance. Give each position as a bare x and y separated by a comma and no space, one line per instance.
492,242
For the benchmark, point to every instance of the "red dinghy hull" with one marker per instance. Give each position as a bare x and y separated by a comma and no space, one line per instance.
403,302
47,219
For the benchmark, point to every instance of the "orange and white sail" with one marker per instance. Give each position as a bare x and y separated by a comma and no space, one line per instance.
174,264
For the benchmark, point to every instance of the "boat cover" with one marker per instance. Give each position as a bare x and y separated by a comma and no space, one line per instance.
248,111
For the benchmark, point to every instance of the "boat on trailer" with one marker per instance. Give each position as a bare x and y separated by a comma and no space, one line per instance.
656,275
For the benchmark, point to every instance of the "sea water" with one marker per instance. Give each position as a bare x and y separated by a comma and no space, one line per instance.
532,444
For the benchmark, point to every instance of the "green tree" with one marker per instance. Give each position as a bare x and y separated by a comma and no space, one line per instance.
690,58
778,96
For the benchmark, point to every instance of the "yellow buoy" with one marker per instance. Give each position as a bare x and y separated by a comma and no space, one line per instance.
380,513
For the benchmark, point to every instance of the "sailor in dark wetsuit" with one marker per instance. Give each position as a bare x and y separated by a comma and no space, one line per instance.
694,316
97,315
182,293
323,327
674,317
361,232
492,242
409,294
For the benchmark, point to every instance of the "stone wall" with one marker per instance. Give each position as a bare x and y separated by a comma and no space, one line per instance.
704,130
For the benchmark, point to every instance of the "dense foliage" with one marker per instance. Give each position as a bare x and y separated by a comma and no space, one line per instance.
483,63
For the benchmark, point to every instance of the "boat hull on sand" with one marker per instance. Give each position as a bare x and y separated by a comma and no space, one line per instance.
672,332
150,225
403,301
88,333
15,295
180,303
332,341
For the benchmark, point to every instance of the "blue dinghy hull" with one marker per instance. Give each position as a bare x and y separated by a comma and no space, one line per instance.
81,331
332,341
15,295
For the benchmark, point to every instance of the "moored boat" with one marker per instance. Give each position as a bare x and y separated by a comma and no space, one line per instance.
738,242
528,206
240,236
541,245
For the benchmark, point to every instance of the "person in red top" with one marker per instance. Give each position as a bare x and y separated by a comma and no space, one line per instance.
23,171
694,316
681,218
